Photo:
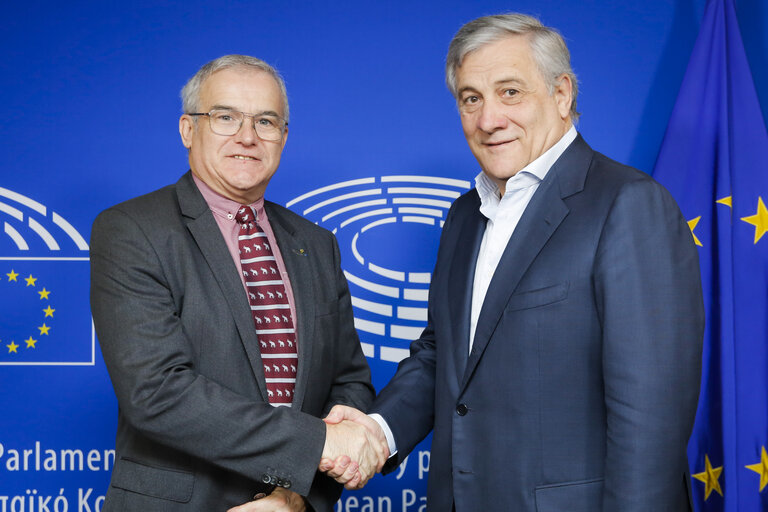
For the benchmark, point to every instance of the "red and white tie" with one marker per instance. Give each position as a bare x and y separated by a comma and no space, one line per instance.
270,309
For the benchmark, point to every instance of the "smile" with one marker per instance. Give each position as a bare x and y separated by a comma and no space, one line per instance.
242,157
497,144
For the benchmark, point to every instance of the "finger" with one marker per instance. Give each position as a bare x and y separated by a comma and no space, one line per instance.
357,482
325,465
351,472
341,412
340,466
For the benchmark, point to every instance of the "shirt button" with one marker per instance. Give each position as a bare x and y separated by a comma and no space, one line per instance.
462,409
230,216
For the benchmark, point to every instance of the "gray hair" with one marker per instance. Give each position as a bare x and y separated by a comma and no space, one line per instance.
549,50
190,93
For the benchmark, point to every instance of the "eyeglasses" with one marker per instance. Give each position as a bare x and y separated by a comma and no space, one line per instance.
268,127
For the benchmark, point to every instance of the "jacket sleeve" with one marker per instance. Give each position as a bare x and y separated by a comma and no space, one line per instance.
649,300
352,383
407,403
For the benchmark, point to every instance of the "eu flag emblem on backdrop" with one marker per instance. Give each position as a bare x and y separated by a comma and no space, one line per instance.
714,161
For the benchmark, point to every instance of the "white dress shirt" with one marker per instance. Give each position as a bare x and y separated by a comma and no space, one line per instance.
503,214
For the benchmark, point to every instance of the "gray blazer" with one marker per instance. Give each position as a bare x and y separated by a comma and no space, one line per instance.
580,391
195,429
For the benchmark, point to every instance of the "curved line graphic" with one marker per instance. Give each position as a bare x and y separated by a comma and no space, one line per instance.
44,234
371,213
29,203
71,231
335,186
38,225
428,179
400,311
16,237
342,198
13,212
375,202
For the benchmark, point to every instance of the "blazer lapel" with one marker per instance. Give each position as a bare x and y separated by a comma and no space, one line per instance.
295,256
541,218
462,276
207,235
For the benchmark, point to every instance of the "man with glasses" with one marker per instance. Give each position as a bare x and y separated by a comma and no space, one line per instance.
225,321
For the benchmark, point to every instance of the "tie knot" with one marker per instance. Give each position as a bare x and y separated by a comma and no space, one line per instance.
244,215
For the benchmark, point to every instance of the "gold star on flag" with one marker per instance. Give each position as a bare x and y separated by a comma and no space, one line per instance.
44,294
710,478
30,342
692,225
44,329
12,347
759,219
727,201
30,280
761,468
48,311
12,276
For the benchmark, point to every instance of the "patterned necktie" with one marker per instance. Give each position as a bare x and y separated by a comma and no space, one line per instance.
270,309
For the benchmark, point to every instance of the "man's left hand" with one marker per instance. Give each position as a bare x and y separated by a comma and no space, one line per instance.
281,500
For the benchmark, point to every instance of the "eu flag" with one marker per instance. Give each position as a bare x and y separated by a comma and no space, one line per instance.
714,160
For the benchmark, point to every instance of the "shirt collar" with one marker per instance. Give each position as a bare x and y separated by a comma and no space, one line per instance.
531,174
225,207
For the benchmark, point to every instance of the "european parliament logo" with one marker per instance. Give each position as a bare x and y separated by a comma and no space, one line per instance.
44,276
388,228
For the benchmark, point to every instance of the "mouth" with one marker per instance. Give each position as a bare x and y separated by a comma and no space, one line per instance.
496,144
244,157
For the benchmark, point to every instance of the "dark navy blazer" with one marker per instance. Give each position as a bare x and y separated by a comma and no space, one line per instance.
580,392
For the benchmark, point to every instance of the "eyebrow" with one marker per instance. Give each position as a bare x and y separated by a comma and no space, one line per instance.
271,113
502,81
509,81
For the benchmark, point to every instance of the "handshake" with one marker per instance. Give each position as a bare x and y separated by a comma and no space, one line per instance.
355,447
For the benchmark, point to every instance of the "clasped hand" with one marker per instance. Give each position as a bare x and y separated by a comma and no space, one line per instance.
355,447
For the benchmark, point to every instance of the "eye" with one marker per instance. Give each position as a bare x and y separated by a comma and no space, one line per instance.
266,122
223,117
470,100
509,93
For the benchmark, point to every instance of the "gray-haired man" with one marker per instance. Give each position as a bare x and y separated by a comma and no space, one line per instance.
560,364
225,321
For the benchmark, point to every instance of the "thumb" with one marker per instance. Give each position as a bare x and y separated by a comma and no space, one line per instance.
336,415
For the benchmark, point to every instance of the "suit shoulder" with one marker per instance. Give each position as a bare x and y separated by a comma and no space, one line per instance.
621,177
151,204
155,211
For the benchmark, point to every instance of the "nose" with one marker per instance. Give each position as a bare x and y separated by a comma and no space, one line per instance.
490,117
246,135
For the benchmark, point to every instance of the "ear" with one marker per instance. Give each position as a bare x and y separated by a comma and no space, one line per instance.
186,130
564,96
285,138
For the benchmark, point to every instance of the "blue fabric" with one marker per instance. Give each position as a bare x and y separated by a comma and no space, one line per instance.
716,147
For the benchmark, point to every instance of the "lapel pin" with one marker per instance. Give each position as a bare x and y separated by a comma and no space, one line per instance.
300,252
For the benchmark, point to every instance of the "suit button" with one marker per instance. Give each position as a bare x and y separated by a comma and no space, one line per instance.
462,409
266,478
287,484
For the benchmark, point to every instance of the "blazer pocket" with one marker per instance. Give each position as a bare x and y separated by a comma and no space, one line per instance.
326,308
581,496
166,484
536,298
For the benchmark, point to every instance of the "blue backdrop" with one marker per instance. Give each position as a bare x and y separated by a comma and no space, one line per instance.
375,150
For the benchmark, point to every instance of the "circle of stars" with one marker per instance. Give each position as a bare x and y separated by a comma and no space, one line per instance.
44,329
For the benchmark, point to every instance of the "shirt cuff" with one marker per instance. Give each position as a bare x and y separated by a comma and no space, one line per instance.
387,432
